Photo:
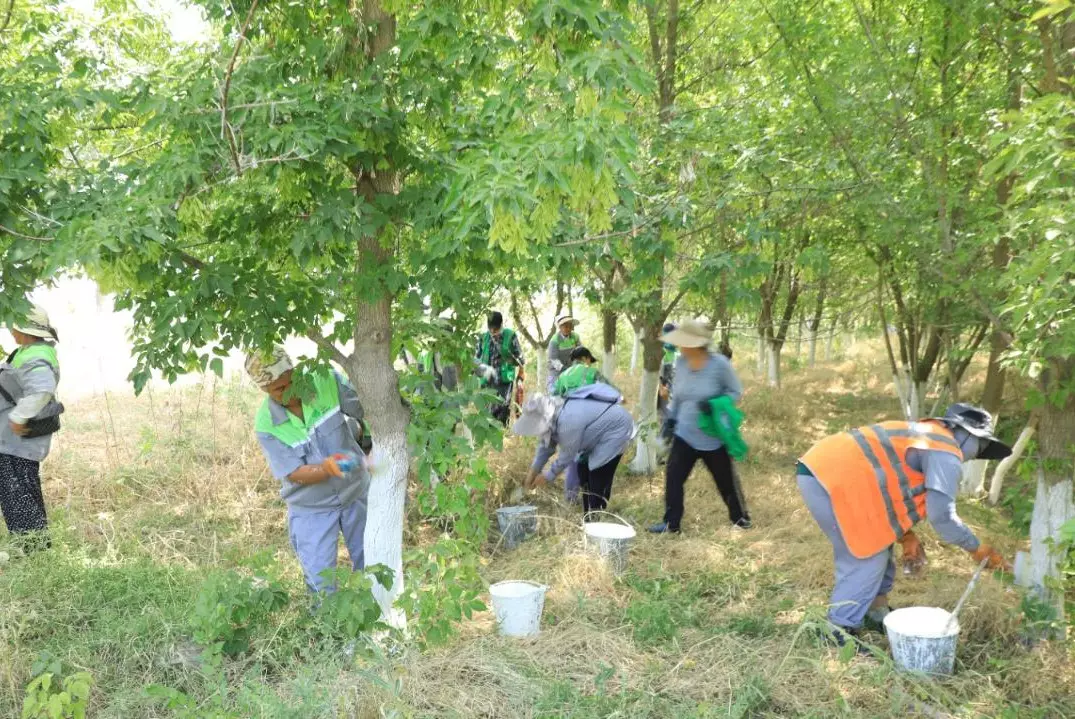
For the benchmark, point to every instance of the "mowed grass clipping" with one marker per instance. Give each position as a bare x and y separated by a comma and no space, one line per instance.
150,496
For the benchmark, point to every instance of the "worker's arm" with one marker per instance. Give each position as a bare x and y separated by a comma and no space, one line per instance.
568,453
943,473
38,382
288,463
349,403
729,380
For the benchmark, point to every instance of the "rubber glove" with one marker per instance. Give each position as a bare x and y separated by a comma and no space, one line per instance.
914,555
996,561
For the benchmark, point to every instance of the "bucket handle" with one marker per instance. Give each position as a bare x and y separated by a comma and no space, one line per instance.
611,514
531,582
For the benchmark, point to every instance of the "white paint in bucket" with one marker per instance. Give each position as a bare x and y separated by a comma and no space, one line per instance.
921,640
517,523
612,541
517,605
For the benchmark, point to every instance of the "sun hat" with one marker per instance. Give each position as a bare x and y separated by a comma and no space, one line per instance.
564,318
692,333
978,423
266,369
36,324
536,417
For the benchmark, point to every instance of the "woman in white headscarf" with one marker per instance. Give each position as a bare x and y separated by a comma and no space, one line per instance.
29,415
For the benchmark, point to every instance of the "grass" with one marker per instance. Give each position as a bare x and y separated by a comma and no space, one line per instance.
151,496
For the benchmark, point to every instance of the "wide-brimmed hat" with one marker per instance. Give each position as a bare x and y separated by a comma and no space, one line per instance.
979,423
692,333
582,352
537,414
36,324
565,318
265,369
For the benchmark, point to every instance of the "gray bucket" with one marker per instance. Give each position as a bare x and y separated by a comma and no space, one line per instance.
921,640
612,541
517,524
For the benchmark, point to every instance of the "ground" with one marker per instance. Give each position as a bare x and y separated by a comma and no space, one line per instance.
152,496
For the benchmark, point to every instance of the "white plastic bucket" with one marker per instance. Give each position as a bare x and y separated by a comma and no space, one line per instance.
921,641
517,605
612,541
516,524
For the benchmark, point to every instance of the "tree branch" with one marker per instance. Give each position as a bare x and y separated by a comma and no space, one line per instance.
225,128
328,348
7,15
21,236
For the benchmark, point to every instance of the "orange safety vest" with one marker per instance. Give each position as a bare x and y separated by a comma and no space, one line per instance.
875,494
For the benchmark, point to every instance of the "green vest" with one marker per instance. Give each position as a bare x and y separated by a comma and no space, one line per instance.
507,369
669,357
567,343
35,352
575,376
295,431
723,422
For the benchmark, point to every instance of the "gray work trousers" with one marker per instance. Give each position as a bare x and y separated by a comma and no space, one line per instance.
858,581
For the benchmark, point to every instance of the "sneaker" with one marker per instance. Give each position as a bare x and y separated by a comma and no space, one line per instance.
662,528
743,523
840,637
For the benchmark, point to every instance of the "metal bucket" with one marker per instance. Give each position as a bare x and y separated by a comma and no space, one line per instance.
517,524
518,605
921,640
612,541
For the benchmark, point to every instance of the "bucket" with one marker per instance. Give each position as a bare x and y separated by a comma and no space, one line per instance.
612,542
517,605
516,523
921,641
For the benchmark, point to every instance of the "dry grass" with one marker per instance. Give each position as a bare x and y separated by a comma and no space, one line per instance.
713,623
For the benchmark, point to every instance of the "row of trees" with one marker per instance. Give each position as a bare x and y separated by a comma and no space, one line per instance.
783,168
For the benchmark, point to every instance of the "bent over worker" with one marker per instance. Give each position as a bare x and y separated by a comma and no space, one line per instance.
299,432
868,487
590,427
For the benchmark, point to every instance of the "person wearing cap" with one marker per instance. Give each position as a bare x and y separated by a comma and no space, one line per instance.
700,376
563,343
868,487
501,363
299,429
589,428
29,415
581,373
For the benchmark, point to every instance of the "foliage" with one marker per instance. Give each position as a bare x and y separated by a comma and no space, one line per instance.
229,606
443,586
55,693
350,609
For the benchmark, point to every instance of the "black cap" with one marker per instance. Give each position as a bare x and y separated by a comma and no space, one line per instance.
582,353
668,327
496,321
979,423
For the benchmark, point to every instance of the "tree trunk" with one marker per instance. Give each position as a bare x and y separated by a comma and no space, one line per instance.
636,350
997,485
542,374
814,324
799,339
1053,504
773,362
973,481
830,341
645,461
761,353
608,336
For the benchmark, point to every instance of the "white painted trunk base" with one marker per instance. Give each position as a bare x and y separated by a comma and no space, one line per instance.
973,480
645,461
812,356
384,519
636,352
1053,506
542,374
608,363
774,367
761,356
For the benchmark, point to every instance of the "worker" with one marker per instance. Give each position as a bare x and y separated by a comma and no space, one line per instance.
29,416
589,428
300,430
563,342
501,363
581,372
868,487
699,376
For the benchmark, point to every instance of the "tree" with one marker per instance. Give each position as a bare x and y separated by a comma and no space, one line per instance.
323,169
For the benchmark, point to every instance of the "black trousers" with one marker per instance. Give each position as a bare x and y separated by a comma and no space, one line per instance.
502,411
21,501
681,460
596,485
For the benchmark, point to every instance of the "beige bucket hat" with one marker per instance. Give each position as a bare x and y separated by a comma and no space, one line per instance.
36,324
564,319
692,333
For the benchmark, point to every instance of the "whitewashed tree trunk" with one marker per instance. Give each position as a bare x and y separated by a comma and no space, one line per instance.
1005,465
384,519
645,461
812,356
1053,507
543,369
799,341
830,344
973,480
774,366
636,351
608,363
761,355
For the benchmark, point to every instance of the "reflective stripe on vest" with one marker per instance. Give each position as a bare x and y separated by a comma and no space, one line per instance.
324,406
566,343
575,376
669,357
876,495
35,352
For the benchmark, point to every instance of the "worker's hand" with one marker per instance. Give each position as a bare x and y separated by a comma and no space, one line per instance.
531,474
704,408
540,482
664,392
996,561
914,555
331,466
20,430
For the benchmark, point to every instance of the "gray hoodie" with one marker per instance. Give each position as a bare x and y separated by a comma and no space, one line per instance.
592,422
